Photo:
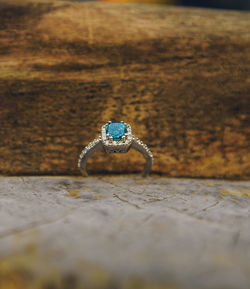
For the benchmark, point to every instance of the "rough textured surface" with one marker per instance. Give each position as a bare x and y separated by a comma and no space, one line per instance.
180,77
124,232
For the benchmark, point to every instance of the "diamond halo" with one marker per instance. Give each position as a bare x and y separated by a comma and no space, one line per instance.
116,145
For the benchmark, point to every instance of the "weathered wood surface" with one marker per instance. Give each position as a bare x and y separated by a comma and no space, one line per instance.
179,76
124,232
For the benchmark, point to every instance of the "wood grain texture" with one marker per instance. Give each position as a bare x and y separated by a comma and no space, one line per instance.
179,76
124,233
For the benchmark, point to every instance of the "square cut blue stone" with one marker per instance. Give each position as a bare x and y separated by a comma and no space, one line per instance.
116,130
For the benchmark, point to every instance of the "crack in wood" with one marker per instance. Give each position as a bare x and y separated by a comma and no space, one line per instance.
126,201
35,225
121,187
212,206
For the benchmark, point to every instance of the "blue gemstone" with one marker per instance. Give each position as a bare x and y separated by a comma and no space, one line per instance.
116,130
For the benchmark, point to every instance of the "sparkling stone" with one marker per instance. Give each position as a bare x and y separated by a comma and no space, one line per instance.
116,130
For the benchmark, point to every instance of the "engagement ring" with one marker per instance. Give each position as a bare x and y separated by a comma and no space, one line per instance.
116,137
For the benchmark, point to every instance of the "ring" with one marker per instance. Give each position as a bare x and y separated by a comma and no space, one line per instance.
116,137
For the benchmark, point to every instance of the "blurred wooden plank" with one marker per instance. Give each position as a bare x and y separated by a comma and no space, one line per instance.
179,76
98,234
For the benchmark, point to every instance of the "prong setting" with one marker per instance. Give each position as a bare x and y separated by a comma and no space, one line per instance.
112,145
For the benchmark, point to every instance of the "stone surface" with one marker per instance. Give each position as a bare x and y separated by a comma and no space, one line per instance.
179,76
116,130
124,232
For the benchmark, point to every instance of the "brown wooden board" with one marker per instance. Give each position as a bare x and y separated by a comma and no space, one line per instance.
179,76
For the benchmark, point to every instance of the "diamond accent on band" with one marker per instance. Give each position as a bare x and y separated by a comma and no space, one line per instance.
87,148
148,151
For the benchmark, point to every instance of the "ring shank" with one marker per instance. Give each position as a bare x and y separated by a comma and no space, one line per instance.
97,145
93,147
143,149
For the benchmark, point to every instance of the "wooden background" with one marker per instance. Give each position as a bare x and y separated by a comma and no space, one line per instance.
179,76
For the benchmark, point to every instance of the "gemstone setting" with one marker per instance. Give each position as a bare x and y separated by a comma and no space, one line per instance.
116,130
116,137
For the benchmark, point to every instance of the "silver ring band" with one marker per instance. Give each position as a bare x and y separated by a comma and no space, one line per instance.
110,144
